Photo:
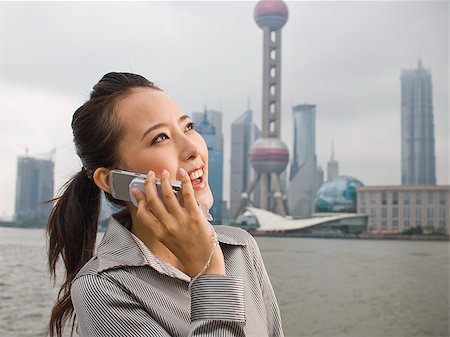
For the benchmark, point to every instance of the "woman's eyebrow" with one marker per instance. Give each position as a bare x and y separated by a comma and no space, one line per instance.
156,126
182,118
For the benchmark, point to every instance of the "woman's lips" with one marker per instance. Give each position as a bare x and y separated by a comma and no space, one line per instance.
199,183
198,179
196,174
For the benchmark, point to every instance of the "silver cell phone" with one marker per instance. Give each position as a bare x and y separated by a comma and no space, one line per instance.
120,180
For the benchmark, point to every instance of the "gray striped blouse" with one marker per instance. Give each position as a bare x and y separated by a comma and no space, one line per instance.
125,290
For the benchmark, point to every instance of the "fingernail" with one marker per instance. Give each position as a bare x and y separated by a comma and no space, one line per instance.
135,193
182,172
165,173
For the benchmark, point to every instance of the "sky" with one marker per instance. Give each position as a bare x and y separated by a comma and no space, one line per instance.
345,57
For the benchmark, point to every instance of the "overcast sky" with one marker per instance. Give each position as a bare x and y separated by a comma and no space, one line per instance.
345,57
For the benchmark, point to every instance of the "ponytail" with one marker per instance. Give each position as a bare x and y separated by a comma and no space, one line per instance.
73,222
72,231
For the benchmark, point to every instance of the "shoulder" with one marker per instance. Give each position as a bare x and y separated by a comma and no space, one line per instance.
88,289
96,289
89,280
90,268
234,235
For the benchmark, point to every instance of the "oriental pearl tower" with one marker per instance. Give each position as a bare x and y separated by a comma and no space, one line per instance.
269,156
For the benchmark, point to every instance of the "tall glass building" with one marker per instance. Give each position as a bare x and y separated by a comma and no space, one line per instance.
320,177
214,140
418,156
303,171
34,186
215,119
304,116
243,134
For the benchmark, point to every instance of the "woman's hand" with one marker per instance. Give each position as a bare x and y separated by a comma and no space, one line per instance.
183,230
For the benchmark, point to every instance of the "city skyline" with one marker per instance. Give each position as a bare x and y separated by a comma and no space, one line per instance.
352,75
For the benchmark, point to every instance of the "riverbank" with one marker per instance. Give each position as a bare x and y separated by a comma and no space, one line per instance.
362,236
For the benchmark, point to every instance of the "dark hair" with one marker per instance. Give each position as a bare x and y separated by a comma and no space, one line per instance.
73,221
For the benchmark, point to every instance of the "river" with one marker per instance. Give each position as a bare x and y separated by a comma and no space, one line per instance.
325,287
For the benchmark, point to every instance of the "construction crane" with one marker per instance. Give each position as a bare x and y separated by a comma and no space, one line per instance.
26,148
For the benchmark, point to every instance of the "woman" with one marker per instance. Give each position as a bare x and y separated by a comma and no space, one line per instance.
161,268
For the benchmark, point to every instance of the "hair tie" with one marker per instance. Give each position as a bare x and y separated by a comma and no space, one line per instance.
87,172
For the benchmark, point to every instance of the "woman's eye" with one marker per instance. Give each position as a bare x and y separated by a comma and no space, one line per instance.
159,138
190,126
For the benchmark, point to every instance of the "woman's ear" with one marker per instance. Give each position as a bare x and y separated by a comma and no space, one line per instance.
101,179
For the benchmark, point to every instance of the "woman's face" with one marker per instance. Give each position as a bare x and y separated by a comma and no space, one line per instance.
158,135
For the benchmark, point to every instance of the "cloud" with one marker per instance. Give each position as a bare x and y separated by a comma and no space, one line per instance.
345,57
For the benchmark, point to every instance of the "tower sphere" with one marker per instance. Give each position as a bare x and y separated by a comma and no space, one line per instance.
269,155
271,13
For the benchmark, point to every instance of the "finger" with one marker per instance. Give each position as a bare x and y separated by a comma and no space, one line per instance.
187,190
153,201
138,195
170,200
144,214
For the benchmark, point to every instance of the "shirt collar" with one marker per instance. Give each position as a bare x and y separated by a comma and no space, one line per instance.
118,248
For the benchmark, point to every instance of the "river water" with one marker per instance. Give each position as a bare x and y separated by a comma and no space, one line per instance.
325,287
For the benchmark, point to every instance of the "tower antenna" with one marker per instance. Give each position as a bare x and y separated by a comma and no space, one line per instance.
332,149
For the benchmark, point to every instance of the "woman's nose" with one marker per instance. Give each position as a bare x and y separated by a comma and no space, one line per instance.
194,154
190,149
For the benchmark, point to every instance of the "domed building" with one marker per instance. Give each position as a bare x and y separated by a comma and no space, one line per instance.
338,195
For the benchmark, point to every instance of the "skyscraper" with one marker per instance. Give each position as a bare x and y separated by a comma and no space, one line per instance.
303,172
214,140
269,155
215,118
332,166
243,133
418,156
320,177
34,185
304,116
